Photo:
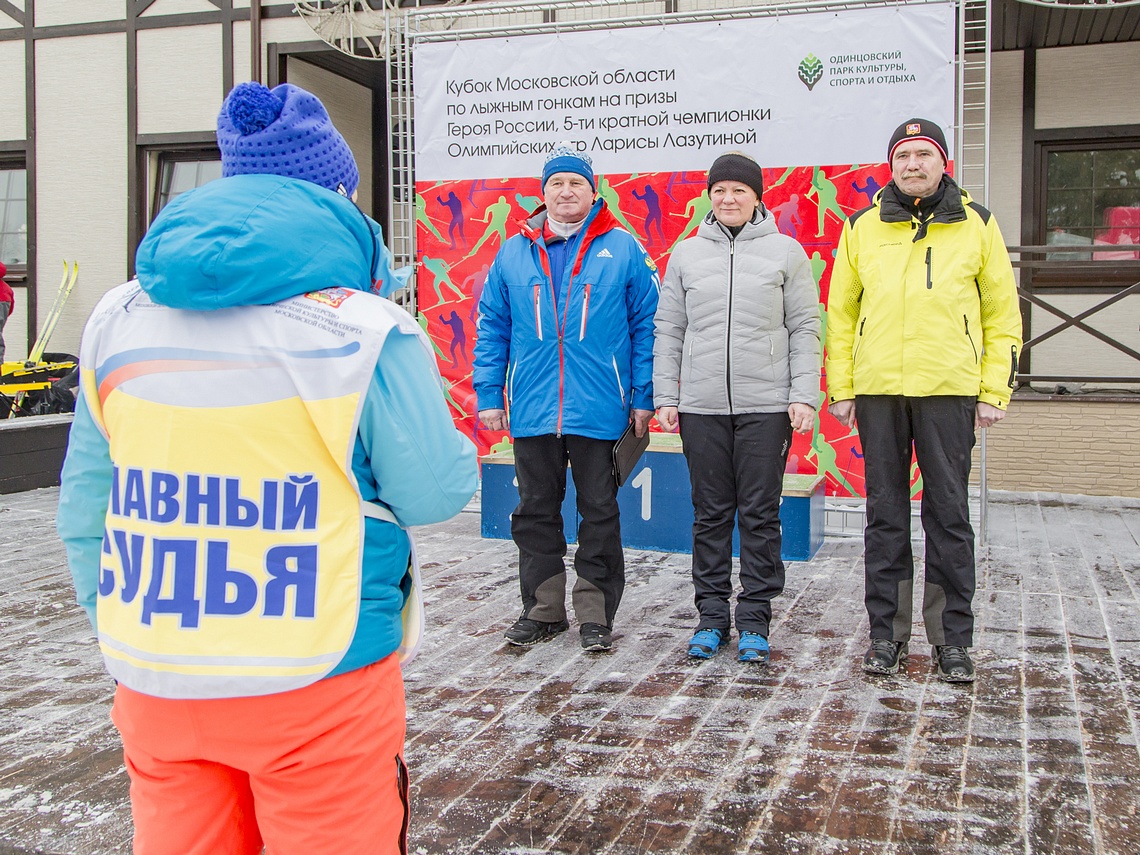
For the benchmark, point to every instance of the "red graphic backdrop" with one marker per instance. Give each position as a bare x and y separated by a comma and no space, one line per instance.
460,225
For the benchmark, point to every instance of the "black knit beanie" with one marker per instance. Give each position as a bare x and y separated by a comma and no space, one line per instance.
918,129
735,166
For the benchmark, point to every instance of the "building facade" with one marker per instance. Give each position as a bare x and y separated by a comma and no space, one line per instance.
107,110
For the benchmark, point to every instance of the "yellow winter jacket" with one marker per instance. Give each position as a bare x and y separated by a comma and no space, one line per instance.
922,309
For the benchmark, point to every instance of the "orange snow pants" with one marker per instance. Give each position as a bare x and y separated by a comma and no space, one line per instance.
314,771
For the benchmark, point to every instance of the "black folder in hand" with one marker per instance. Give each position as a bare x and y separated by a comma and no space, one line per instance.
627,451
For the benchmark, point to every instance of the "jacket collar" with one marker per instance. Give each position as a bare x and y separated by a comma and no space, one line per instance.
597,221
756,227
894,207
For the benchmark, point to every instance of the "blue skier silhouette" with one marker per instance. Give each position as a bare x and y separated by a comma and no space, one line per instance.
652,212
458,336
673,179
455,206
473,285
787,216
869,189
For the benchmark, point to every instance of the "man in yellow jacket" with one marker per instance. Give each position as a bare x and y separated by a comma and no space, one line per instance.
923,336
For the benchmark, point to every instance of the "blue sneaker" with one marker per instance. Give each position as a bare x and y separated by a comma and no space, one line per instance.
705,643
753,647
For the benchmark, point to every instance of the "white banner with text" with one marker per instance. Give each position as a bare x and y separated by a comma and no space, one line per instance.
794,90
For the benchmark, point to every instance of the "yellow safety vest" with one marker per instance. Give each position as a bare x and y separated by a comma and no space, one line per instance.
232,549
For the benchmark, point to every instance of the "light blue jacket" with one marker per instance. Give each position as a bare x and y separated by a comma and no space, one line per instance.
256,240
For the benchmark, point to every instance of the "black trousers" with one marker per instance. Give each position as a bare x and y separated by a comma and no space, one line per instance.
736,469
941,429
537,529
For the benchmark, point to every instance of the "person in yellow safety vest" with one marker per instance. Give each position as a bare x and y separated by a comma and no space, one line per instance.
255,432
923,336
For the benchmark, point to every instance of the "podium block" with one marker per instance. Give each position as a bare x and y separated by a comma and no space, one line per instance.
656,504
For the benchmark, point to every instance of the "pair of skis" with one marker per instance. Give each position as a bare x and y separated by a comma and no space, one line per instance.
65,286
70,275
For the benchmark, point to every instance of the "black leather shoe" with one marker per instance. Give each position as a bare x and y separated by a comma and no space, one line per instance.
596,638
884,656
526,632
954,664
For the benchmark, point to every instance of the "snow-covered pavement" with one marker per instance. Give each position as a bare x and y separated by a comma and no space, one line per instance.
640,750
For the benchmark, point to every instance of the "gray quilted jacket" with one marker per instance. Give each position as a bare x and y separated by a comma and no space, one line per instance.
737,325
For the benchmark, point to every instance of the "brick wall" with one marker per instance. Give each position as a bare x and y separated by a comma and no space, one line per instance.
1066,446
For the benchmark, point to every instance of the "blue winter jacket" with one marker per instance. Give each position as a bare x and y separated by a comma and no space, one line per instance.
255,240
578,363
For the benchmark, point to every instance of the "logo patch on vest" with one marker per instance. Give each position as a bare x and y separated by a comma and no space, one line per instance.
331,296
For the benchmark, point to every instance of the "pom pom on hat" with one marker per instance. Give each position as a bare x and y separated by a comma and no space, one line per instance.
284,131
565,158
252,108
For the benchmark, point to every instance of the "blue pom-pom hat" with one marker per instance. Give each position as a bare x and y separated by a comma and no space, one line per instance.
284,131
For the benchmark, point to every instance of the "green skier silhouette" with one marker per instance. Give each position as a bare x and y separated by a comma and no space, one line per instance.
528,203
441,274
787,174
610,195
496,217
826,196
422,217
696,210
826,464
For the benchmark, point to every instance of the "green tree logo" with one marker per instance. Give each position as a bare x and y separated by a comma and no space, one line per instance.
811,70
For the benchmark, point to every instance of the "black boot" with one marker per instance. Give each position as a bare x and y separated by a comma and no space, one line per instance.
954,664
526,632
884,656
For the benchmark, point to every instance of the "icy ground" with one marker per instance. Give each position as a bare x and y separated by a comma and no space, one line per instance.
548,749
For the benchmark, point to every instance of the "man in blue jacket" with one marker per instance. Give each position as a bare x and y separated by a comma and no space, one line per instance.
566,332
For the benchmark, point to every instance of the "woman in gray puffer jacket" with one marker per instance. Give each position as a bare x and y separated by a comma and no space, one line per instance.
736,361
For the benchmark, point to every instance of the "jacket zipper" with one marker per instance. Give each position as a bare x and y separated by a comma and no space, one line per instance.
545,266
929,277
617,377
1013,364
586,238
585,312
974,347
561,384
859,339
537,315
728,330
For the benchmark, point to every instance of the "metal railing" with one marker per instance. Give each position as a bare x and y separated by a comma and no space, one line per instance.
1051,271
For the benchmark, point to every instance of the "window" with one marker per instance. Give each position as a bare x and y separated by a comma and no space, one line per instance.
13,216
1092,198
178,172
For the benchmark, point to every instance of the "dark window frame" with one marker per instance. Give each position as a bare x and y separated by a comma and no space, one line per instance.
18,162
159,198
1079,273
144,190
18,276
